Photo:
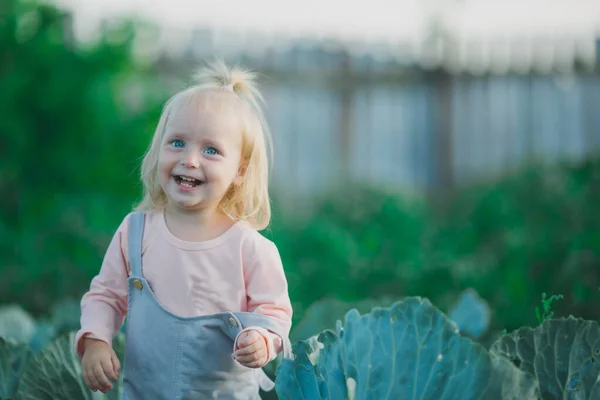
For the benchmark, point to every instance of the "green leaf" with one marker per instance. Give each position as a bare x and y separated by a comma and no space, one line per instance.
408,351
471,314
316,373
54,374
44,334
562,354
13,359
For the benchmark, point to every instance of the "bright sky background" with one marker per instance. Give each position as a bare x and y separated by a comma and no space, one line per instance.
391,20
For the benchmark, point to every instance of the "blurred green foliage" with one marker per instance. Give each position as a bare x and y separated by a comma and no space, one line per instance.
75,121
535,231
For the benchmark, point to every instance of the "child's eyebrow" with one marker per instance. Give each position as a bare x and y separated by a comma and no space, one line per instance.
172,133
184,134
211,140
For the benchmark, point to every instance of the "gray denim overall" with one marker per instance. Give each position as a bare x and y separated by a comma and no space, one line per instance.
169,357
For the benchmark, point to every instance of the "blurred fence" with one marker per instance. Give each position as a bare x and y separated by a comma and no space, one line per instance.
339,118
434,132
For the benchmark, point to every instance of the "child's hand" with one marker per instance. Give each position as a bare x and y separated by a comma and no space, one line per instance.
99,363
252,350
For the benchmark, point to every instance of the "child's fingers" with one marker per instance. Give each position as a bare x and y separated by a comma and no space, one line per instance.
109,370
94,384
248,338
254,360
87,379
249,349
101,377
116,363
251,357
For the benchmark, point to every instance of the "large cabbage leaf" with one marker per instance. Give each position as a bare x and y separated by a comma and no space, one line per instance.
13,359
55,374
408,351
562,354
316,373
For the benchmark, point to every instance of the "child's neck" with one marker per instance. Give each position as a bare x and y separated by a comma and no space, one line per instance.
196,226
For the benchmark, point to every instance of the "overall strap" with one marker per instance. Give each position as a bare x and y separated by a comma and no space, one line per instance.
134,243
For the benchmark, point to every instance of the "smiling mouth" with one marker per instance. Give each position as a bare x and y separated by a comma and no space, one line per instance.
187,181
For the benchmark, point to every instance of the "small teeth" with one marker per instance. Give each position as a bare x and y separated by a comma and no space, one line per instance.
188,179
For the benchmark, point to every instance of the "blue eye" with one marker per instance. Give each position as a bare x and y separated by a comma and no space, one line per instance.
177,143
211,151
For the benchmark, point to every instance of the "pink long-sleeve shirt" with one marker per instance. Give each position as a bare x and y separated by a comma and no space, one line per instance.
238,271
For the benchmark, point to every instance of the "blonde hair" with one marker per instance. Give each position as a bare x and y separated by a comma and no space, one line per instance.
233,93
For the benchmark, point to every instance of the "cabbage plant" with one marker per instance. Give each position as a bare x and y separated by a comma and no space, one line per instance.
412,350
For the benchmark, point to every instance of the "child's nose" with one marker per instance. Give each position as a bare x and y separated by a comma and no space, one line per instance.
191,160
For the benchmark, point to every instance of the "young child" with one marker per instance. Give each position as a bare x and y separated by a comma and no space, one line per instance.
204,293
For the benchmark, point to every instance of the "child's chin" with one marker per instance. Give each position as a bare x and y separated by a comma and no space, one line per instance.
196,203
190,203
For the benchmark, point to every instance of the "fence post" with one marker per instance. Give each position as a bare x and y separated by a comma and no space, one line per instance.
443,141
346,125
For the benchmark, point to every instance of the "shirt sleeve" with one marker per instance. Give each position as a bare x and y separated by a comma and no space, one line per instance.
104,306
267,293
